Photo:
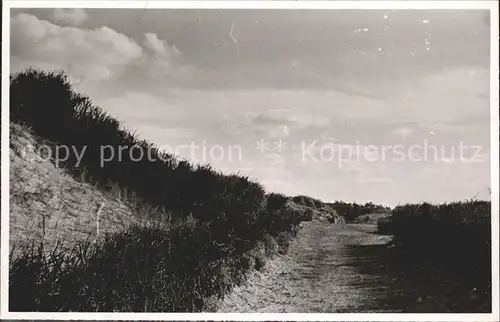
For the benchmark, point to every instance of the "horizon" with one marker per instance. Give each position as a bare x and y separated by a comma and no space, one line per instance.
269,83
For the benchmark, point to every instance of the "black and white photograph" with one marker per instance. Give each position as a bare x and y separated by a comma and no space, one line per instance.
291,159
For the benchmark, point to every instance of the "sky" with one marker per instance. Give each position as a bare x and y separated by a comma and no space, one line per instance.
388,106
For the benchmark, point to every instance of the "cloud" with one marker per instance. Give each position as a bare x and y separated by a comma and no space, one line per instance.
72,16
279,123
159,47
90,55
403,132
159,65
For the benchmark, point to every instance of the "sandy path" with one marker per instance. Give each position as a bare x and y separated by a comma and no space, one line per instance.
316,275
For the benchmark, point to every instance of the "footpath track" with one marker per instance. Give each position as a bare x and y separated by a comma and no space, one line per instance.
336,268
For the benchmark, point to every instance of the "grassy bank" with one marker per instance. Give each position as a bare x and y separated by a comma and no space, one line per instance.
222,225
454,237
143,269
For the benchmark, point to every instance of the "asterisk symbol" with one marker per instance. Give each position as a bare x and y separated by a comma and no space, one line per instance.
280,146
262,145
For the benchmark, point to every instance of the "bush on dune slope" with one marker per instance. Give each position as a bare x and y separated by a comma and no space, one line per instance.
453,237
219,219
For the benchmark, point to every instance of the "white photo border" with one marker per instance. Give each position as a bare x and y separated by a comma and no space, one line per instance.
292,5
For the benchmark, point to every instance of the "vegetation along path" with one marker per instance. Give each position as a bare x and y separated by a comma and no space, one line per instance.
342,268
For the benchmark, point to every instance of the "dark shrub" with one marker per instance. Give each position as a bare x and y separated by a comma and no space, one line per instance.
271,246
385,226
455,237
248,261
260,261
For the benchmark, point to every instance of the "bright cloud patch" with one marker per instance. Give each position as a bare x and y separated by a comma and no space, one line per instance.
158,46
91,55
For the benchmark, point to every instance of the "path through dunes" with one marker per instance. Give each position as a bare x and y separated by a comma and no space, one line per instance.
343,268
